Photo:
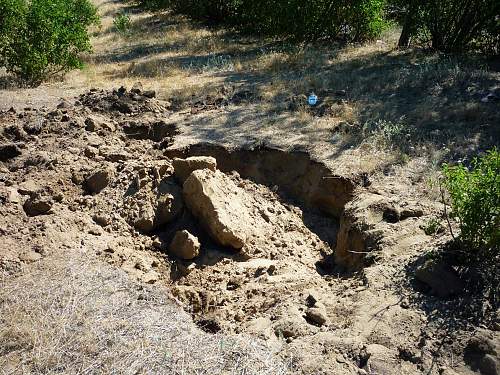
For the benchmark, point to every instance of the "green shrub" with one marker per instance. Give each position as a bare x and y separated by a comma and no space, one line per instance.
451,25
352,20
44,37
122,23
475,201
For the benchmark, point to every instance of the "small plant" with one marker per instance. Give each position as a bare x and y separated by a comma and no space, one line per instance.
432,226
475,202
390,134
122,23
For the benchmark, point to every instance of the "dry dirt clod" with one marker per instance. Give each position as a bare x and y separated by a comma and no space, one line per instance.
317,315
99,179
38,204
218,203
9,151
184,167
184,245
381,360
28,187
102,220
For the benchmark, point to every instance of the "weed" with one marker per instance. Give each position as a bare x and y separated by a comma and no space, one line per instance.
432,226
122,24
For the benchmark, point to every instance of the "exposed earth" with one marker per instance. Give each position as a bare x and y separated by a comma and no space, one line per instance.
323,267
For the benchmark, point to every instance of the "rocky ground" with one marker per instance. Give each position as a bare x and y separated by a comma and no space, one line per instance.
324,271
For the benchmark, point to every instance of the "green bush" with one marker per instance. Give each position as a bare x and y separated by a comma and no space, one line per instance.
44,37
475,201
352,20
451,25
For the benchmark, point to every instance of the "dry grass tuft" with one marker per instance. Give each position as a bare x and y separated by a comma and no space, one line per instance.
77,316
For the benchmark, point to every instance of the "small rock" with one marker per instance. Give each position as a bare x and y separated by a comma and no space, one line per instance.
90,124
98,180
317,315
37,204
102,220
312,299
184,167
13,196
184,245
169,203
145,220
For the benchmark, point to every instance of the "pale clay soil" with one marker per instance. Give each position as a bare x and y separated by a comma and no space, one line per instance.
324,283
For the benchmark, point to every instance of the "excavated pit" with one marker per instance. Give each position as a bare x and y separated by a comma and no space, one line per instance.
292,173
263,267
290,208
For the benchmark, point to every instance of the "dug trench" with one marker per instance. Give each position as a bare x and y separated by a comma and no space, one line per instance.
255,241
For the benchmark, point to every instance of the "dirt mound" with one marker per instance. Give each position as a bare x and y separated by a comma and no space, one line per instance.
122,101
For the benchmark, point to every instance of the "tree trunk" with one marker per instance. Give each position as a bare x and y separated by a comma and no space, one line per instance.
408,27
405,38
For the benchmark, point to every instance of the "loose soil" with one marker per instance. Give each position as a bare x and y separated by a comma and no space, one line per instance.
324,278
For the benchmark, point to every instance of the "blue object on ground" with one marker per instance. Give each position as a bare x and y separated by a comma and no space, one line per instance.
313,99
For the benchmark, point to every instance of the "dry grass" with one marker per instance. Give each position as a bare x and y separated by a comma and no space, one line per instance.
76,316
432,101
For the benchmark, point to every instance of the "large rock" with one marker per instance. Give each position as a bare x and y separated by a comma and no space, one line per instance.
184,167
99,179
218,203
440,277
184,245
